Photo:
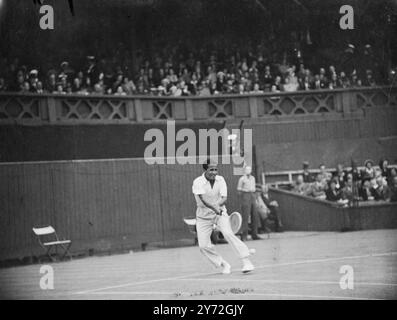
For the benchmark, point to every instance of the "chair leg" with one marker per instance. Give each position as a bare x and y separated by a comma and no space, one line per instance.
49,255
66,251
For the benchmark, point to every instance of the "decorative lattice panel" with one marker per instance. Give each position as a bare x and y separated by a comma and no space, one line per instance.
376,98
162,110
299,104
93,109
220,108
16,108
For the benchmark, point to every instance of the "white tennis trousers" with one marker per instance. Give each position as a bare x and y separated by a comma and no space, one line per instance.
204,229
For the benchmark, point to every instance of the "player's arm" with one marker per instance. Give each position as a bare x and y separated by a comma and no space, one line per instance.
208,205
223,193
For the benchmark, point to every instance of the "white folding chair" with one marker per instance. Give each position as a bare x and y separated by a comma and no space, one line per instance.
48,239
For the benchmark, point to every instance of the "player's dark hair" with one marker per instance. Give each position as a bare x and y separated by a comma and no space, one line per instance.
206,164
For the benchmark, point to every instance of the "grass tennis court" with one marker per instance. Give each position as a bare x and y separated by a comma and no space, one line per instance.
291,265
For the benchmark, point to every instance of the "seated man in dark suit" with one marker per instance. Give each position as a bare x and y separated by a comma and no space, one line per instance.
272,206
332,193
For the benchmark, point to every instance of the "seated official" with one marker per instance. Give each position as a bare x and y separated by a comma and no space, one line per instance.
267,208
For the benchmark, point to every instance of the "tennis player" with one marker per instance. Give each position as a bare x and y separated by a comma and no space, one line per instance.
210,192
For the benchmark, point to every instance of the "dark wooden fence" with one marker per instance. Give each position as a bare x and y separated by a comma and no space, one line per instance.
302,213
100,205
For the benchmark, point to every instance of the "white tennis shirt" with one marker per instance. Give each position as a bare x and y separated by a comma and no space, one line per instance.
212,195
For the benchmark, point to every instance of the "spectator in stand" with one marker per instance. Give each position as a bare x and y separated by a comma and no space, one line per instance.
316,82
307,176
39,87
98,89
324,83
267,79
393,174
369,171
277,85
393,190
300,186
91,70
118,82
355,172
20,79
347,191
331,71
332,193
59,89
128,86
25,87
256,89
318,188
355,81
343,80
365,191
325,175
291,81
369,80
334,83
33,79
119,91
76,87
305,84
380,191
340,177
3,86
384,168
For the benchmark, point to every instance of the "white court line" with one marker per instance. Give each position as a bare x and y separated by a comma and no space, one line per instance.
280,295
320,282
215,273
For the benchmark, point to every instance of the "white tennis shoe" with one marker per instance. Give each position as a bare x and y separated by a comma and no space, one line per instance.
247,266
227,269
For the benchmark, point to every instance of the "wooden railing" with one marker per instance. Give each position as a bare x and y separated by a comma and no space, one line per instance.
103,109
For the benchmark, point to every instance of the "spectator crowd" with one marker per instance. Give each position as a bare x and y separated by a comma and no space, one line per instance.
182,74
346,186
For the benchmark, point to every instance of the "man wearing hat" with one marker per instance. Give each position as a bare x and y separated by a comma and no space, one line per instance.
91,71
33,79
347,61
66,70
307,176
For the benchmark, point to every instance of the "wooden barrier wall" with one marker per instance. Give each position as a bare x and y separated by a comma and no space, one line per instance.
301,213
100,205
39,109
